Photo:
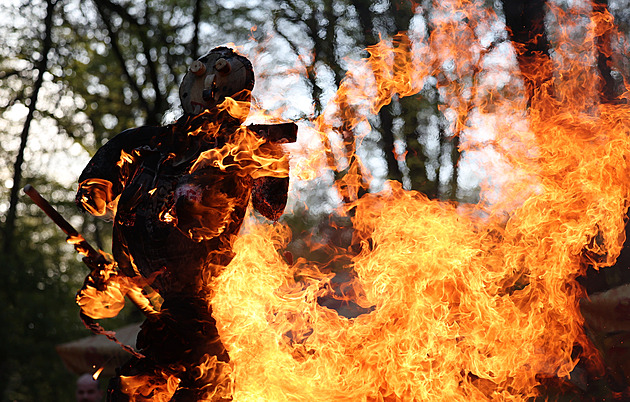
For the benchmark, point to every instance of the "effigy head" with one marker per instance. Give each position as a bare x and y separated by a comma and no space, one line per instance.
210,79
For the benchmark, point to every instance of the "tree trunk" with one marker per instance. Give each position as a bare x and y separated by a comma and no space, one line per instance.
42,66
525,20
194,44
609,93
105,10
400,15
606,278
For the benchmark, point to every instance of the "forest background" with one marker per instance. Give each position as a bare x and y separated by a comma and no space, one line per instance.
75,73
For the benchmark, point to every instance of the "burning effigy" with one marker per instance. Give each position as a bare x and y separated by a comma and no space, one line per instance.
178,196
459,302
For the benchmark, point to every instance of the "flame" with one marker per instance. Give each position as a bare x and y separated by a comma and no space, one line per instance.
465,303
97,373
146,387
246,154
78,242
96,197
457,302
125,158
104,291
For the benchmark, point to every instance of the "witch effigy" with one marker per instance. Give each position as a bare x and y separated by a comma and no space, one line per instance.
178,195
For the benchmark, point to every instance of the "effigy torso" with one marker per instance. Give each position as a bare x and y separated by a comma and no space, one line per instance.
175,224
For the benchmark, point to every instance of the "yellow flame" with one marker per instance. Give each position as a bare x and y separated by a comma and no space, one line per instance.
460,303
246,154
149,388
97,373
108,301
463,307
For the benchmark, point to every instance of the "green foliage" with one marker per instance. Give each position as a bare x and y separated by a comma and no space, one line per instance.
40,279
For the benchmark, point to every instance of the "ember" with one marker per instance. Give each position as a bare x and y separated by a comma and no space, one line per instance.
461,303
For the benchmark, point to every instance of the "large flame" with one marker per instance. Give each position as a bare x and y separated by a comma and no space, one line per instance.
461,303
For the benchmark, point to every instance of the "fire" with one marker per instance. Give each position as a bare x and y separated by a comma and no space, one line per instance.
101,191
98,372
460,302
249,153
465,303
148,388
104,291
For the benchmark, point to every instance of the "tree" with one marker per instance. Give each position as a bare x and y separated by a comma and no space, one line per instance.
40,278
40,273
41,67
401,142
525,21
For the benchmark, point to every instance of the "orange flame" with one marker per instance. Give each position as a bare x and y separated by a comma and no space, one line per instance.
249,154
97,199
97,373
106,302
463,307
461,302
149,388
